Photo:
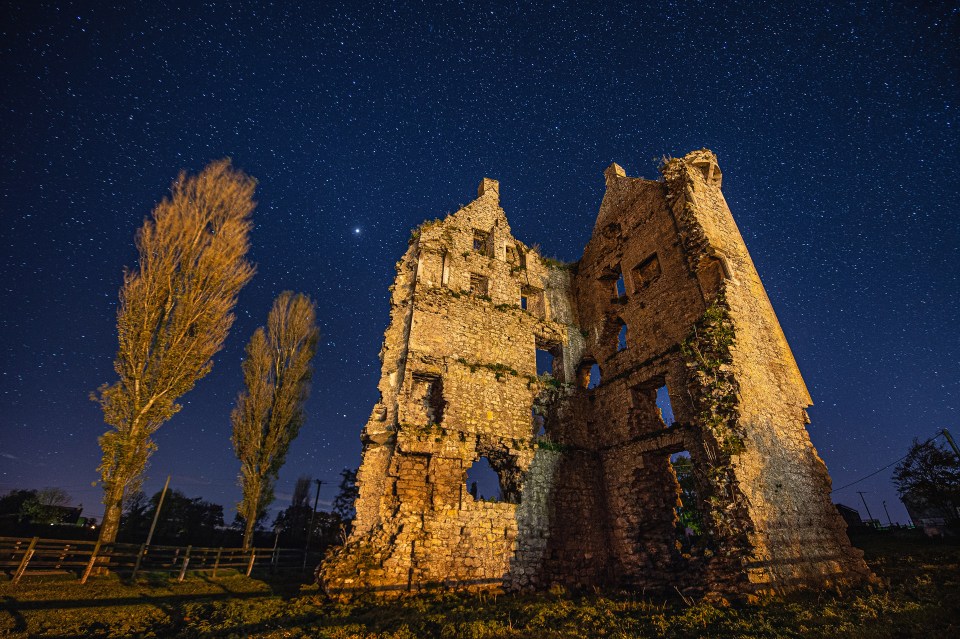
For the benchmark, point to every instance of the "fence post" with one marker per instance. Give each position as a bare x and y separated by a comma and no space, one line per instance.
26,559
136,566
186,560
253,556
93,558
216,563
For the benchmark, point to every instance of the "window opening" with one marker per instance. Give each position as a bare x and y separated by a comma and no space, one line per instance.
620,289
483,483
434,402
481,242
588,375
531,299
479,285
689,528
544,362
646,272
550,359
594,379
650,409
622,337
445,269
428,398
663,403
712,271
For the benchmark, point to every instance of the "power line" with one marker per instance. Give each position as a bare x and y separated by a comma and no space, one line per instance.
880,470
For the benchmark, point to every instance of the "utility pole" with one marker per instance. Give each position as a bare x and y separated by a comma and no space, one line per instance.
869,516
313,515
156,515
953,444
889,521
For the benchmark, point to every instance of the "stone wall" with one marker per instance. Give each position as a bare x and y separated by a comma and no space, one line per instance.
728,497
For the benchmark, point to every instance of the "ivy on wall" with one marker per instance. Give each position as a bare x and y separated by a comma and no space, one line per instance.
706,352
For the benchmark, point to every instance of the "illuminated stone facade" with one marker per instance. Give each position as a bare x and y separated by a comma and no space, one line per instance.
665,302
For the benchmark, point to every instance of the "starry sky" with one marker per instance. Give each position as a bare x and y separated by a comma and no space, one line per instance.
835,124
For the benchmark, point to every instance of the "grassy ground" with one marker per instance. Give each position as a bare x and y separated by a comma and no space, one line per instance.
922,599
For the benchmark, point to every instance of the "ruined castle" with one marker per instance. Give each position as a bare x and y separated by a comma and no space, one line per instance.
596,487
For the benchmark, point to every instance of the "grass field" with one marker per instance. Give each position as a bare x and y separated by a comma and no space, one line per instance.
922,599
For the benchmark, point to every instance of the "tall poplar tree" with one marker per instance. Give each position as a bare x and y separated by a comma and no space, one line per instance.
176,308
270,410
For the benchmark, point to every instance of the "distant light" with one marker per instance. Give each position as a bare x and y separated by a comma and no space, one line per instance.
356,231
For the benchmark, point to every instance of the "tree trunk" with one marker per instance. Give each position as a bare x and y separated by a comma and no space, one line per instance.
110,525
248,531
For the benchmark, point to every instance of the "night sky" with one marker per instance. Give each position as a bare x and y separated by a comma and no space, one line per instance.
835,126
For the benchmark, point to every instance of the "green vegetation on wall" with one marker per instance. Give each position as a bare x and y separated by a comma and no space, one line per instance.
706,352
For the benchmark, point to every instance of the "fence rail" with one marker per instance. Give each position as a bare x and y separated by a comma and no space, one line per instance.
38,555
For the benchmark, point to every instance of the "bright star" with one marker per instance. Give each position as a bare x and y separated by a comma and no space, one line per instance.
356,231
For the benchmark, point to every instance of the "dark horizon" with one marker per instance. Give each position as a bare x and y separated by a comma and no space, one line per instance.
835,127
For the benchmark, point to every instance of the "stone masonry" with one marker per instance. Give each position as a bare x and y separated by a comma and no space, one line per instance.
597,489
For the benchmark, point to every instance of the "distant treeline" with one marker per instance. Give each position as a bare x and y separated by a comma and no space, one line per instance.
183,520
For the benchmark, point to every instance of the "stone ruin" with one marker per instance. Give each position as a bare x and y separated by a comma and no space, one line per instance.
596,488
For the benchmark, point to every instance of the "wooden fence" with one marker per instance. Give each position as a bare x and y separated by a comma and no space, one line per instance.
22,554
